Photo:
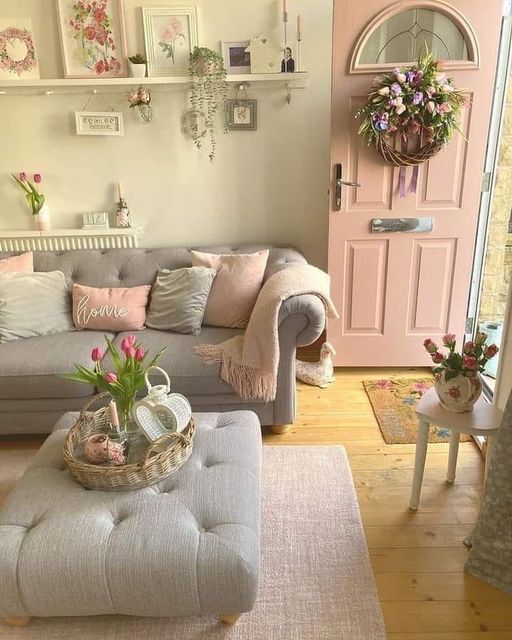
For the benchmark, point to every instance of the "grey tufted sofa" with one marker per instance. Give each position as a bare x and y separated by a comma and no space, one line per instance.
32,397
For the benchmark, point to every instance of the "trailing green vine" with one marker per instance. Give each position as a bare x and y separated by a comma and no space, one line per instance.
208,92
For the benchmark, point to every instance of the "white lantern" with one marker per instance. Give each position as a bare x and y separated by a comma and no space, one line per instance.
160,411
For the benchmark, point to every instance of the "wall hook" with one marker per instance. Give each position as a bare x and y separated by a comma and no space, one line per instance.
49,92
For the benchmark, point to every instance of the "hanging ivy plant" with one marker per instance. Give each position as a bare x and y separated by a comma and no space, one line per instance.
208,91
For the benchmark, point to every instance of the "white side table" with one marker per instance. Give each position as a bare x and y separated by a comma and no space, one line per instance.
484,420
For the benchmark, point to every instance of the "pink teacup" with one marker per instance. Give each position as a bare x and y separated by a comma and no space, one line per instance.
99,448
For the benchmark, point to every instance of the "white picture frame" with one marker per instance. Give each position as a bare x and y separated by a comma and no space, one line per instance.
236,59
99,123
17,37
170,35
103,54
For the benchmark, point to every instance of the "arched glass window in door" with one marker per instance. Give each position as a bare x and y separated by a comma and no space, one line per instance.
404,32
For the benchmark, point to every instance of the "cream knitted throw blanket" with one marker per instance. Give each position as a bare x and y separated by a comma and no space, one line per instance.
249,363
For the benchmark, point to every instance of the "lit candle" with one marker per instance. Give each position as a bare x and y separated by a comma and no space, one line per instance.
114,418
299,30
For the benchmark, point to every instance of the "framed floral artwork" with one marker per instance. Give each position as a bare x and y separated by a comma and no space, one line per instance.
170,35
92,38
242,115
18,58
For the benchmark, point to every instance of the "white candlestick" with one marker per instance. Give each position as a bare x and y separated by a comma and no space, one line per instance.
114,418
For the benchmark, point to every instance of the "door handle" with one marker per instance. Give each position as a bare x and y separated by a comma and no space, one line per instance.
339,183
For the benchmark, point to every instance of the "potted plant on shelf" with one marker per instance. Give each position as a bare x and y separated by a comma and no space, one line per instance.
457,375
208,92
137,65
35,199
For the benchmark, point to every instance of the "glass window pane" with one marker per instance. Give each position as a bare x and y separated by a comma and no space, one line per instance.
407,35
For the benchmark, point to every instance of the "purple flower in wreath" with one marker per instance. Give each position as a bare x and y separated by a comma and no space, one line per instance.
381,121
396,89
414,76
417,97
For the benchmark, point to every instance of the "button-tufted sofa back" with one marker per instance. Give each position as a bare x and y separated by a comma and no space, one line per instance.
133,267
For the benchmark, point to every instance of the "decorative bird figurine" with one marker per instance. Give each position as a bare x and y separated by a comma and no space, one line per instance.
320,373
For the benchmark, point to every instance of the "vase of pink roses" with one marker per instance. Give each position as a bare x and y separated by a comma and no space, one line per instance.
458,382
124,381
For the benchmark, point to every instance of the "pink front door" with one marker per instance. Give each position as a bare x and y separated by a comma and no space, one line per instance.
395,289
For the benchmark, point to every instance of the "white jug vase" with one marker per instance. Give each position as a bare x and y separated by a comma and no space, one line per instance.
43,219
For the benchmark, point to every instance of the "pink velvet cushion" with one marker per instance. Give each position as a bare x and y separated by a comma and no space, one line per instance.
235,288
23,263
119,309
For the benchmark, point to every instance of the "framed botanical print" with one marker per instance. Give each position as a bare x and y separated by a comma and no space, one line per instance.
92,38
170,35
242,115
18,58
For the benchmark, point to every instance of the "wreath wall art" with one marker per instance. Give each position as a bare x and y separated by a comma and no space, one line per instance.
411,114
17,50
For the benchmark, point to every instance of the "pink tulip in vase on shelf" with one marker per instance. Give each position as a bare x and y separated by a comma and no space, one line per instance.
457,375
35,199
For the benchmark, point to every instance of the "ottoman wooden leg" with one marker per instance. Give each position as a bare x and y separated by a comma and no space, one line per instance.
17,621
280,428
230,619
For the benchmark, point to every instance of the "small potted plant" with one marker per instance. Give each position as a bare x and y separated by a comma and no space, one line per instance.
137,65
208,92
457,375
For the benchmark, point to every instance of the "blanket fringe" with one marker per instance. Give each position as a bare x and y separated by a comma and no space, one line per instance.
248,382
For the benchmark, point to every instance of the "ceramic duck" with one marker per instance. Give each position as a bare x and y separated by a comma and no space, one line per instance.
320,373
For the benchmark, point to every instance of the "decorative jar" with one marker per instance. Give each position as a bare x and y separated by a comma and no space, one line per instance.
459,393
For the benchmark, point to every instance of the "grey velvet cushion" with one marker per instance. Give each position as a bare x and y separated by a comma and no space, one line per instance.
33,304
186,546
178,299
29,368
188,373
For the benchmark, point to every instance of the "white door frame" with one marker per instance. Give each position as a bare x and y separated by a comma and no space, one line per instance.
503,69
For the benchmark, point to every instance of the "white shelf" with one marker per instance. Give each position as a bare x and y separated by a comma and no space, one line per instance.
297,80
69,239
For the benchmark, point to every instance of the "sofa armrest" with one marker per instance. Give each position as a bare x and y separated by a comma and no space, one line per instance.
312,309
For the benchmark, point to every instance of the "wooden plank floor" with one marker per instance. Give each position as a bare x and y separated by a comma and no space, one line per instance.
417,558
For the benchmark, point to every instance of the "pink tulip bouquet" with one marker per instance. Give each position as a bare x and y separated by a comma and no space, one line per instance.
126,380
469,362
34,197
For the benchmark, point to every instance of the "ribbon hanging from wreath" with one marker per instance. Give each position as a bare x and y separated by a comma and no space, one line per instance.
417,107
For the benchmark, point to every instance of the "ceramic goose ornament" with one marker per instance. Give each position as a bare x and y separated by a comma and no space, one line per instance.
320,373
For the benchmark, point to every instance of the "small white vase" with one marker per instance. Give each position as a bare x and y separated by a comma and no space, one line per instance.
137,70
43,219
458,394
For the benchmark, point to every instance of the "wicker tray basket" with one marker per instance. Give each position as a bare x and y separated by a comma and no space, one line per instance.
407,158
152,468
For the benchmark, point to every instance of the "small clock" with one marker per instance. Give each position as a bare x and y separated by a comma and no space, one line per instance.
97,220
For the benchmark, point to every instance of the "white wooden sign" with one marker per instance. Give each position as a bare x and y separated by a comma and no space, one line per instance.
99,123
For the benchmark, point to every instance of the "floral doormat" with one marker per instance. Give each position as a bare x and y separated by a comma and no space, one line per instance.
394,403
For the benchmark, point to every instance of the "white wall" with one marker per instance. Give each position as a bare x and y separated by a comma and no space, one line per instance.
270,185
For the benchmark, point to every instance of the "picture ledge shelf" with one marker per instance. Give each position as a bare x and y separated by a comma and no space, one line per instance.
69,239
49,86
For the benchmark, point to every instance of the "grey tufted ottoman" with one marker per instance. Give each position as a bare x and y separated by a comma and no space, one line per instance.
185,547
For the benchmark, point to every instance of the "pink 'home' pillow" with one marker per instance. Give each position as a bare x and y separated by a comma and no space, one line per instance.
235,288
23,263
118,309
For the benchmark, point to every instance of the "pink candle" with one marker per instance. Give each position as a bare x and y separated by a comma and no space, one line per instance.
114,418
285,6
299,30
